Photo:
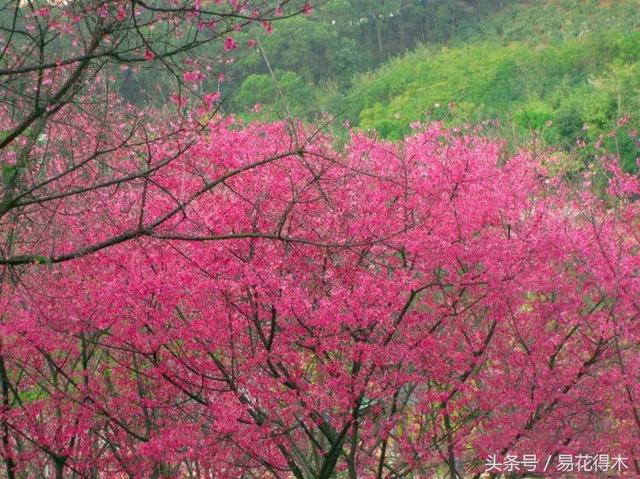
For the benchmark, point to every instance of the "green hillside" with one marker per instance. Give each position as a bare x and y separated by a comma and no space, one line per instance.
568,86
561,72
553,20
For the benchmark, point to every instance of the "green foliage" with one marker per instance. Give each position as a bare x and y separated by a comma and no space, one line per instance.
8,174
557,71
313,49
343,38
533,115
275,96
544,21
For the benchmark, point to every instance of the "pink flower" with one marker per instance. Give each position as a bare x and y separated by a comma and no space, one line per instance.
251,43
122,13
598,143
307,9
194,76
149,55
623,121
267,26
41,12
178,100
230,44
211,98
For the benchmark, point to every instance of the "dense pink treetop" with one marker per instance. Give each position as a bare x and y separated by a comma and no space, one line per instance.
275,307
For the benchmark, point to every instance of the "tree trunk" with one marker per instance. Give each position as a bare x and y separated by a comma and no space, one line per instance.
6,444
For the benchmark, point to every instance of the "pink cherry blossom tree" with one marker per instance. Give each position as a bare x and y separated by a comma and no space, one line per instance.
183,295
62,116
382,311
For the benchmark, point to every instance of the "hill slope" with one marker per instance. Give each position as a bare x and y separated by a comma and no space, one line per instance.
568,81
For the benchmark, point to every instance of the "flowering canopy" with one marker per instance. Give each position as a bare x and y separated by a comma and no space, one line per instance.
267,306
